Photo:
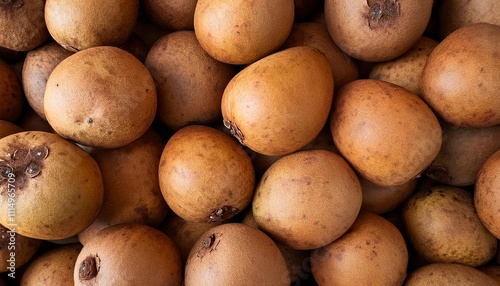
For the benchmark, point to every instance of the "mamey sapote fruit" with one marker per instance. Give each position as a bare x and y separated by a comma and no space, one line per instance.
54,267
371,252
460,82
38,65
15,249
435,274
443,226
385,131
240,31
50,188
205,175
11,93
280,103
172,15
235,254
22,24
376,30
487,193
131,188
78,25
129,254
101,97
190,83
307,199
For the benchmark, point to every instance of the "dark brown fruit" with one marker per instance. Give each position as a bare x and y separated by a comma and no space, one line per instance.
11,93
15,249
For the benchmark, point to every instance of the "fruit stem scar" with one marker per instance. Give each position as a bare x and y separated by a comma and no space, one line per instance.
382,13
235,130
89,267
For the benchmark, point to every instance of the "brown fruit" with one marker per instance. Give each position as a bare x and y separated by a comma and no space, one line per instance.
173,15
11,93
235,254
8,128
383,199
280,103
371,252
22,24
307,199
129,254
131,188
15,250
190,82
78,25
50,188
385,131
443,226
376,30
101,97
38,66
205,175
460,82
54,267
240,31
487,194
438,274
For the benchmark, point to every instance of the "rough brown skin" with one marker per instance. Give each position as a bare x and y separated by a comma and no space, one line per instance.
172,15
131,188
386,132
108,101
307,199
11,93
129,254
463,153
376,30
316,35
446,80
435,274
406,70
54,267
274,112
205,175
52,202
379,199
372,252
443,226
22,24
241,32
190,82
234,254
23,247
90,23
487,193
38,65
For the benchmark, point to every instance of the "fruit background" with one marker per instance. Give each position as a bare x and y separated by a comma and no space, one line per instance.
306,142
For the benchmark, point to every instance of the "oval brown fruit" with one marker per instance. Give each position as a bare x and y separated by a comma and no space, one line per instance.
385,131
487,194
280,103
438,274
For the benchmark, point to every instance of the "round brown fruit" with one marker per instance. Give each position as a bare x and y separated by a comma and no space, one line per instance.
101,97
443,226
55,186
190,83
173,15
371,252
235,254
376,30
307,199
78,25
131,188
129,254
205,175
15,250
448,274
11,93
280,103
385,131
460,81
240,31
54,267
487,194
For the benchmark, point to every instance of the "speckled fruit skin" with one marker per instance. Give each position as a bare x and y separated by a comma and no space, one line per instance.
443,226
57,187
371,252
280,103
386,132
307,199
235,254
205,175
487,194
436,274
460,81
